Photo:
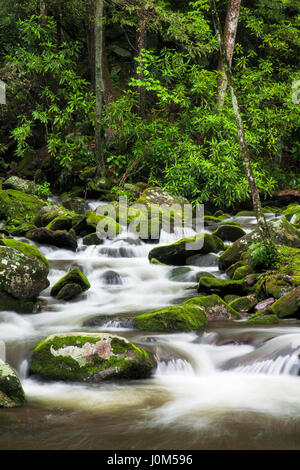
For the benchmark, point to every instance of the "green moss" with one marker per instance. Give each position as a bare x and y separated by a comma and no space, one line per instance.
25,248
222,287
244,304
215,308
185,317
260,318
111,226
242,272
16,205
62,358
75,276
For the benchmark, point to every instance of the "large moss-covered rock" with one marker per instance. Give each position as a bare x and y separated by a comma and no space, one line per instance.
156,195
19,184
177,253
49,213
19,206
229,232
11,391
215,308
244,304
288,305
58,238
74,276
221,286
185,317
29,250
89,357
284,234
22,276
102,224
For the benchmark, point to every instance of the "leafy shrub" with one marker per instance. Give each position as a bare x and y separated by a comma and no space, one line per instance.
264,255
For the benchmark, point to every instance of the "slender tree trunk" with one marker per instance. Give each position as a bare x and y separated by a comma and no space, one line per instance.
231,25
43,10
98,32
263,227
141,43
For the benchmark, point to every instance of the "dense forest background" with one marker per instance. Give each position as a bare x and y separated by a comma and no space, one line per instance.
162,121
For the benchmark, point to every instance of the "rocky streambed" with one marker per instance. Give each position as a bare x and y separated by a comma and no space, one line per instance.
127,344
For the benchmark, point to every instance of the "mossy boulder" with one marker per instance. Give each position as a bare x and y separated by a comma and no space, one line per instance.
89,357
17,229
74,204
58,238
156,195
241,272
19,207
288,305
102,224
244,304
65,222
210,220
221,286
263,318
49,213
74,276
229,232
69,292
184,317
23,276
292,212
11,391
29,250
284,234
215,308
11,304
177,253
19,184
92,239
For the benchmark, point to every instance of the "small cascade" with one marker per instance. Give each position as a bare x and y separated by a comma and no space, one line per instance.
174,367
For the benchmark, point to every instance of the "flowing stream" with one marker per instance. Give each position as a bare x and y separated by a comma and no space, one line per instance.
232,387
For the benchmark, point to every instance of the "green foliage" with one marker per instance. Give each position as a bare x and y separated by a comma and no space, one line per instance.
43,190
264,255
62,109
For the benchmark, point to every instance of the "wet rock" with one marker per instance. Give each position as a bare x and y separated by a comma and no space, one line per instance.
75,276
69,292
215,308
177,253
288,305
92,239
59,238
221,286
244,304
180,274
111,278
11,391
185,317
89,357
229,232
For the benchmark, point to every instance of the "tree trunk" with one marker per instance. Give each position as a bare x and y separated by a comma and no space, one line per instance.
263,227
141,43
98,33
43,11
231,25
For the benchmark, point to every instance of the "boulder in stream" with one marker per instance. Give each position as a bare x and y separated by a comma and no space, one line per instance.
177,253
70,285
90,357
58,238
11,391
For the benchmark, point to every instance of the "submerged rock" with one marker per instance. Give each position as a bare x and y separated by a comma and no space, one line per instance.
89,357
11,391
